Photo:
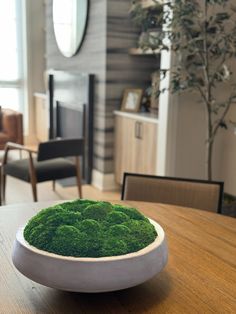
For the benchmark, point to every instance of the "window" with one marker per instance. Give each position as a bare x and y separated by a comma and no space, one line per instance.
11,55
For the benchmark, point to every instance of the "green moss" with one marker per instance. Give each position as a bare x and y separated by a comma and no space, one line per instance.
85,228
115,217
132,213
68,240
98,211
141,234
90,226
113,247
78,205
119,231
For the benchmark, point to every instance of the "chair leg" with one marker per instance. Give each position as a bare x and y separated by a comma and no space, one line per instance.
34,190
33,178
78,178
54,185
0,185
4,179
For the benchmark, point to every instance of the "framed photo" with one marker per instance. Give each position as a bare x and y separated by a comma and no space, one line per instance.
155,88
132,100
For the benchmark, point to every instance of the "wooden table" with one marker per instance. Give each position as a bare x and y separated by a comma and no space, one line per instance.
200,276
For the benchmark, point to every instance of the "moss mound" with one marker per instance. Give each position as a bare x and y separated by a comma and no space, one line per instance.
85,228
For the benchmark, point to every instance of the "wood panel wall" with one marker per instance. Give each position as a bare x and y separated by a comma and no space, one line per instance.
104,53
123,70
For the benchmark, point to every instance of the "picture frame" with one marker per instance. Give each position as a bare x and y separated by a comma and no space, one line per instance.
132,99
155,78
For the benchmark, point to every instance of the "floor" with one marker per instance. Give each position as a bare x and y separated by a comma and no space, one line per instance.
20,192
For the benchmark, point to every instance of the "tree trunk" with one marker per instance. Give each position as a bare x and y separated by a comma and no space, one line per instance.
210,142
209,159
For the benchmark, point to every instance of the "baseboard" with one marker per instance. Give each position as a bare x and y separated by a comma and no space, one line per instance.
104,182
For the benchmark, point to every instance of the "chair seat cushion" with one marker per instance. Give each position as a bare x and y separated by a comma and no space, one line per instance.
48,170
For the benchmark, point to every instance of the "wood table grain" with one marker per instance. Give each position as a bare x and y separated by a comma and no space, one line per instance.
200,276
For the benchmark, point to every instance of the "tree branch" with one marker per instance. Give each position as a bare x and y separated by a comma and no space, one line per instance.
227,107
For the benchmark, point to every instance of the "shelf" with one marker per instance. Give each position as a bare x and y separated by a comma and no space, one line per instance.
151,3
141,52
141,116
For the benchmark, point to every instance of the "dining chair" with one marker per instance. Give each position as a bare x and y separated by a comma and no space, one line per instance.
49,164
200,194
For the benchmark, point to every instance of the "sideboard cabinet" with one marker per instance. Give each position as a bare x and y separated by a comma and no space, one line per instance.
135,144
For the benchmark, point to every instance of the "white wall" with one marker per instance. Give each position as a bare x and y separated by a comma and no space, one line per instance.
188,143
35,59
228,152
190,156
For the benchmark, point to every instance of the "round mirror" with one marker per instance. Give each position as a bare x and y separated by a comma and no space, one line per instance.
69,20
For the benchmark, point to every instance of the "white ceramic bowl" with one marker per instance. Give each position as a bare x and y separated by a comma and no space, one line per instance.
90,274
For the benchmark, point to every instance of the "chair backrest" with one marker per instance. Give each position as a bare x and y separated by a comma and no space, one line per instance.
11,123
60,148
200,194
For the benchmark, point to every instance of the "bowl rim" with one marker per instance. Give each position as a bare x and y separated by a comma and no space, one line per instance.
156,243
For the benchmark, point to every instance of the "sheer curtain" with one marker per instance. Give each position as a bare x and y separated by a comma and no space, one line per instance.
11,55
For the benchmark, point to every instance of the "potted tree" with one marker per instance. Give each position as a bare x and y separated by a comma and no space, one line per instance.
202,37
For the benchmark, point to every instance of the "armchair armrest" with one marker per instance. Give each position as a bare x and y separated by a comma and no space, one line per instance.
32,172
10,145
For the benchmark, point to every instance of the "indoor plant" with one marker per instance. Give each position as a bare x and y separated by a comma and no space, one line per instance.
202,38
98,229
149,20
90,246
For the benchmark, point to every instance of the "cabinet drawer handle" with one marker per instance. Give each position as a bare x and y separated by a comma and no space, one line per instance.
140,131
136,129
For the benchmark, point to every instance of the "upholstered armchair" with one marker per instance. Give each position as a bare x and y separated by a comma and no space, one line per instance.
11,127
49,164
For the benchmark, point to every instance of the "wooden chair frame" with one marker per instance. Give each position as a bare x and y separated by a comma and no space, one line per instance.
32,172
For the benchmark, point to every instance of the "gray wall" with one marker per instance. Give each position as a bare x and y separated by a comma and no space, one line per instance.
90,59
104,53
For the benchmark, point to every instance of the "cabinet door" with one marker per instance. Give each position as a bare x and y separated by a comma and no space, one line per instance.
135,147
124,147
146,148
